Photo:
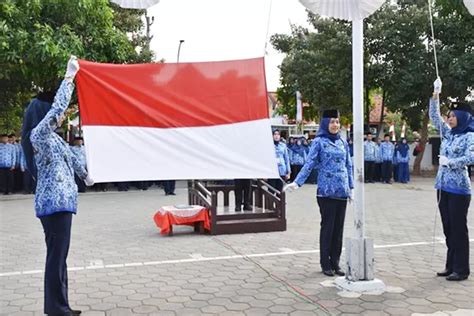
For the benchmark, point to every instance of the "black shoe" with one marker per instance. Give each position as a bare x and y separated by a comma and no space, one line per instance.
328,272
339,272
76,312
444,273
172,193
456,277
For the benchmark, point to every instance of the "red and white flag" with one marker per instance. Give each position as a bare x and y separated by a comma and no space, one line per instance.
206,120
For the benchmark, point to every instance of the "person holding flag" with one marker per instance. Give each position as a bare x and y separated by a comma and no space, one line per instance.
452,181
52,163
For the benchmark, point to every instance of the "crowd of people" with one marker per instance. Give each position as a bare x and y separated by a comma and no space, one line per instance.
16,178
384,161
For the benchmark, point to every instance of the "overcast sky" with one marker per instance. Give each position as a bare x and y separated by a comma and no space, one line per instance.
223,30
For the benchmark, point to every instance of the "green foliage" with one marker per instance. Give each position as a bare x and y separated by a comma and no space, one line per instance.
37,38
398,58
318,64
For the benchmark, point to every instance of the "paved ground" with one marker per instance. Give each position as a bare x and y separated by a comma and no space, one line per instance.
120,265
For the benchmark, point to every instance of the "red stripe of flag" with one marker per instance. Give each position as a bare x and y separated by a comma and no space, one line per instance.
172,95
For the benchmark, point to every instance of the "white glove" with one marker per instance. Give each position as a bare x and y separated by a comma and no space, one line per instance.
72,68
443,160
351,196
291,187
88,181
437,84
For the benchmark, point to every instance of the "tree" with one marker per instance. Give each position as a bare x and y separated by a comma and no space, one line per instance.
398,59
38,36
399,42
317,64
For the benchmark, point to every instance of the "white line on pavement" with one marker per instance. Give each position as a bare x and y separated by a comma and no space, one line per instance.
199,258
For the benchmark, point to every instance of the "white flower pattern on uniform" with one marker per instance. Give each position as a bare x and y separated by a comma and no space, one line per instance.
7,155
459,149
333,160
56,190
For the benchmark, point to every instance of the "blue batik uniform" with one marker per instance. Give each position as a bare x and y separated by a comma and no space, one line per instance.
7,156
386,155
378,155
403,158
283,159
330,154
297,155
80,153
370,151
386,151
17,154
454,187
334,164
459,149
56,190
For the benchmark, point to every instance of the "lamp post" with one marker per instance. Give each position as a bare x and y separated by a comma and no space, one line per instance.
179,49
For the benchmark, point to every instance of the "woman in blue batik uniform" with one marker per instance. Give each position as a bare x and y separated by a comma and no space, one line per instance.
283,161
331,155
452,182
403,158
52,163
297,157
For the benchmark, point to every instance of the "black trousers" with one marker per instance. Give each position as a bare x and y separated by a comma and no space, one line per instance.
333,213
378,172
169,186
57,231
386,171
122,186
6,180
295,169
17,179
277,183
243,194
81,186
369,167
453,209
28,183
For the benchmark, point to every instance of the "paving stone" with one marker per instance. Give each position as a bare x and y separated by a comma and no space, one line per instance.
255,311
281,309
213,309
119,312
145,309
235,286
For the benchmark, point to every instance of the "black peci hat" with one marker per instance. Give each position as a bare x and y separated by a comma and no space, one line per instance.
330,114
460,106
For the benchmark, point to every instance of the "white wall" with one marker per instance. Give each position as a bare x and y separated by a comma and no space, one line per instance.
426,161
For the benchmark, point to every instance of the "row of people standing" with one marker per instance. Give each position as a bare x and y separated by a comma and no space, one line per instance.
14,176
384,160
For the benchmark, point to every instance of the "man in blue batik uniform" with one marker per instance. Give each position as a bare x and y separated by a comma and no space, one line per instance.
370,148
386,154
7,164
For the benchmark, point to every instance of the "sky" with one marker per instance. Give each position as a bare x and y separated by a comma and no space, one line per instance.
215,30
